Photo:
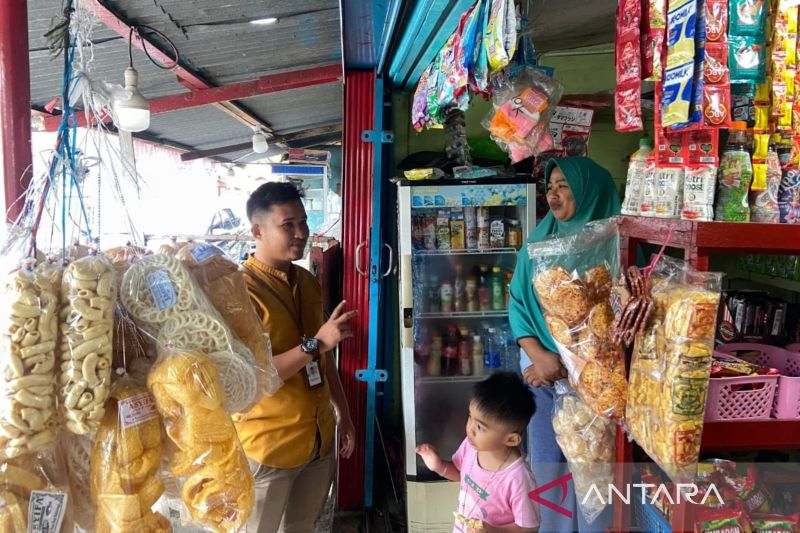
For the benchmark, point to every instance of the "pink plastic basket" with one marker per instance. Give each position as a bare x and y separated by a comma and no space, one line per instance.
794,347
786,404
745,398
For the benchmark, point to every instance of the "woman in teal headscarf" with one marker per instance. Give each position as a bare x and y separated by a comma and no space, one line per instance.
578,191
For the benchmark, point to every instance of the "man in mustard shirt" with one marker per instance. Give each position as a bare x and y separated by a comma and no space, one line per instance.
289,436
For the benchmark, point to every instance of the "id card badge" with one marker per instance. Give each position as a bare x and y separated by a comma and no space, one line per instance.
313,375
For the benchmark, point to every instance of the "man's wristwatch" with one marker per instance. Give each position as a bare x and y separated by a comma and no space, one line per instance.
310,345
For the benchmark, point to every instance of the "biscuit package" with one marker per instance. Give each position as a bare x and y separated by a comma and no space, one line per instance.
670,367
165,301
216,485
125,462
587,441
572,279
223,282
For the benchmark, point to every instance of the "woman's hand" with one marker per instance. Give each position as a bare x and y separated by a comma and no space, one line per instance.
545,370
347,437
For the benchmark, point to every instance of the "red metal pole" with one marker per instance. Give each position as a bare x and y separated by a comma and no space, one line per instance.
15,103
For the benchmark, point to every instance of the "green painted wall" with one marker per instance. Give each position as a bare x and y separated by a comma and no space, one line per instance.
581,74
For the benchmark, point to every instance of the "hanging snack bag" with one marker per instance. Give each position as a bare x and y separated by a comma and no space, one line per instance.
628,109
716,64
33,494
670,367
217,486
89,295
717,106
716,21
498,33
28,330
419,106
747,17
126,459
746,59
704,147
572,281
587,441
628,66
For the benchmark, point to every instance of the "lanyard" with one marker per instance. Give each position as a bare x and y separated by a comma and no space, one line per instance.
297,316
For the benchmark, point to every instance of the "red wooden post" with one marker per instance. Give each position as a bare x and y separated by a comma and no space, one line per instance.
15,103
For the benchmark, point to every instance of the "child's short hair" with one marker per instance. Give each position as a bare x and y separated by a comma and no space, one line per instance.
506,398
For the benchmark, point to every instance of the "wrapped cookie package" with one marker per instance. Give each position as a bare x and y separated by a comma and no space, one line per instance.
166,302
671,365
587,441
28,332
205,455
572,279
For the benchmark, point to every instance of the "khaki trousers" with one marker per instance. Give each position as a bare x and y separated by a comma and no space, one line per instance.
289,500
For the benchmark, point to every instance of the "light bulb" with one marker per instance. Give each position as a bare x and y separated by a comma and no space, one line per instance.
132,114
260,145
264,22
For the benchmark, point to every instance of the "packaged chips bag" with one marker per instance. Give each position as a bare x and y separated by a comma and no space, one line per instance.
587,441
572,279
670,367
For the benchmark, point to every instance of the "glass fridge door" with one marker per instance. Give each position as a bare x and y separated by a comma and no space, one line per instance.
459,247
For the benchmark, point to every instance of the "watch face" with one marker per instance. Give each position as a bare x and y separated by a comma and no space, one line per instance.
311,345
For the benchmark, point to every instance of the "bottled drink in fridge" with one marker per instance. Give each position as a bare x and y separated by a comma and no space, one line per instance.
435,357
637,170
484,290
509,276
483,228
459,291
477,356
446,296
471,225
471,290
434,296
491,351
464,354
443,230
429,232
498,289
450,353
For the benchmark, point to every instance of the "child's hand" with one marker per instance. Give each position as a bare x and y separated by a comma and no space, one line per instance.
431,458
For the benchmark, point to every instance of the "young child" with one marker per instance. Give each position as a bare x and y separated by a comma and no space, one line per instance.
495,479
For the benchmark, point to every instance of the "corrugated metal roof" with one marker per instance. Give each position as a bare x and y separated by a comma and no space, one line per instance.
217,41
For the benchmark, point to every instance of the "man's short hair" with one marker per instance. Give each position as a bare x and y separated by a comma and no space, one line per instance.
269,194
505,398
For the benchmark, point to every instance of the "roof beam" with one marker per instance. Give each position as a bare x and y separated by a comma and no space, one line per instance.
186,77
235,91
211,152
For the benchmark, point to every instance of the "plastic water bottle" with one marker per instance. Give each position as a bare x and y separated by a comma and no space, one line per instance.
637,168
491,350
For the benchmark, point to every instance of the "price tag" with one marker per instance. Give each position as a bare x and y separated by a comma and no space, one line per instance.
162,290
46,511
136,410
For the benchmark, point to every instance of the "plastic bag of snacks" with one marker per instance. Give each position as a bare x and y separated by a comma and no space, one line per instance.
77,451
89,296
670,367
125,462
572,278
521,111
163,298
587,441
217,486
28,331
223,282
33,494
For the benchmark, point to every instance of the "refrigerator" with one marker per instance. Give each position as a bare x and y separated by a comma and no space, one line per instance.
458,245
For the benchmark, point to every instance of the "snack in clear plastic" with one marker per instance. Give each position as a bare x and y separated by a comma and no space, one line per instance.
163,298
28,334
125,463
33,487
89,296
217,486
671,365
587,441
572,278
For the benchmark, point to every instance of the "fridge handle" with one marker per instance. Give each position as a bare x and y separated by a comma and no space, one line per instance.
359,266
390,267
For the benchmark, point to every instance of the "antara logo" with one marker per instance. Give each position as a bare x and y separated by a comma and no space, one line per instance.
683,492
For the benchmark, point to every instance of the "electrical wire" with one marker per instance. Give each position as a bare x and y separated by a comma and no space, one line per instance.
137,30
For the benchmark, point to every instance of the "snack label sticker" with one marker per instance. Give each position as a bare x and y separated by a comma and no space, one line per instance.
162,290
137,409
204,252
46,511
689,396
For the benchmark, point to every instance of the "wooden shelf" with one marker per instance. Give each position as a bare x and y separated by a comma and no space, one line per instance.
755,435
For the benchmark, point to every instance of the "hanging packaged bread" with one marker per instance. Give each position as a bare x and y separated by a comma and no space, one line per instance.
125,462
217,486
163,298
223,282
28,332
86,325
572,279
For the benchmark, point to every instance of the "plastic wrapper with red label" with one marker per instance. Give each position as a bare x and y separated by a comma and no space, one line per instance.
28,332
704,147
716,20
216,484
714,520
716,64
670,367
223,282
717,106
572,281
521,112
628,109
587,441
164,300
771,523
126,459
699,185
